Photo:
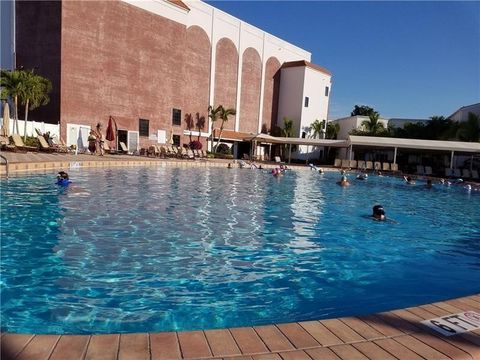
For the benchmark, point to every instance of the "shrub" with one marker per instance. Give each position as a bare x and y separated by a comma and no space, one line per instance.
223,149
195,145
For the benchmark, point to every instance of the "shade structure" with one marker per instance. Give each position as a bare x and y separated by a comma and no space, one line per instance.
6,120
110,136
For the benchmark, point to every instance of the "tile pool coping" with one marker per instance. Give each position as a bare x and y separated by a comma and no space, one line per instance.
389,335
396,334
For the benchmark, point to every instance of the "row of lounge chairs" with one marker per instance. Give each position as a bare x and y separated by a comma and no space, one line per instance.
19,146
455,173
365,165
176,152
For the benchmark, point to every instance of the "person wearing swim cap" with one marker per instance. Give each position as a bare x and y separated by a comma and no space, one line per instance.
379,213
63,178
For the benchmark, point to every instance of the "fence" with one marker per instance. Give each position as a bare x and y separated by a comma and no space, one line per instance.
32,125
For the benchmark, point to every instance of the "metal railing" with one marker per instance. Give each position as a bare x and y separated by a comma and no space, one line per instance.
6,163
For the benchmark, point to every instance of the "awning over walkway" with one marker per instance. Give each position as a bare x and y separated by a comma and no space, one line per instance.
457,146
296,141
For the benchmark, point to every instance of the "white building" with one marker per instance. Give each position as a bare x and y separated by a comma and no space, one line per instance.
462,114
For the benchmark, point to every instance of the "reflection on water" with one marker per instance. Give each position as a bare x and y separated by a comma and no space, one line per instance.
153,249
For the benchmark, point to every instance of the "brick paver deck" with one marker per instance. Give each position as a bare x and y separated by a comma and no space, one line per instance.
396,334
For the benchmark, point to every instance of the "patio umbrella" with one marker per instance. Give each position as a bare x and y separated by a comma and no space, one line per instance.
6,120
110,136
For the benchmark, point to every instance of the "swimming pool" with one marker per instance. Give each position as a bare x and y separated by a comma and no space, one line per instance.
160,249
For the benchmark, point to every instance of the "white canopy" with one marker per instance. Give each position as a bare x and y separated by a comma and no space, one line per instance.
296,141
457,146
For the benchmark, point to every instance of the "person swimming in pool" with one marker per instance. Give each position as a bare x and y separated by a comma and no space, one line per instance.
409,180
63,178
378,213
343,181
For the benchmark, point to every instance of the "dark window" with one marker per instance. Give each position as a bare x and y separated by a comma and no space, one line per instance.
306,101
176,140
326,90
304,134
143,127
177,117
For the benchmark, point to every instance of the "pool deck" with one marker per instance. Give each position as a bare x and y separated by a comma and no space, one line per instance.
46,162
396,334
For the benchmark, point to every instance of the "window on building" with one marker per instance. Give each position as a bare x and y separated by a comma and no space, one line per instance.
143,125
304,134
176,140
177,117
326,90
306,101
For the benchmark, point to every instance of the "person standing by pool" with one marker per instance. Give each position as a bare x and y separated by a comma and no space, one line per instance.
100,140
92,142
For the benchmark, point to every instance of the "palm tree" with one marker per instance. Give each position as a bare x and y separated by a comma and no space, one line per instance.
332,131
224,114
12,86
35,93
213,115
199,123
318,128
287,130
470,129
189,123
373,126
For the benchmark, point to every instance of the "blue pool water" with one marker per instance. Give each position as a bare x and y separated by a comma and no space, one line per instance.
157,249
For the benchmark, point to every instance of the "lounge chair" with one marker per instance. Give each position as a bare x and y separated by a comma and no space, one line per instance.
17,140
420,170
475,174
44,145
386,166
60,146
5,144
428,170
361,164
123,147
345,163
377,165
448,172
337,163
353,164
457,173
190,155
369,165
394,167
279,160
466,173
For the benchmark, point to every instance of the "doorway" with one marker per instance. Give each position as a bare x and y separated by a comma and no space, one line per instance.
122,136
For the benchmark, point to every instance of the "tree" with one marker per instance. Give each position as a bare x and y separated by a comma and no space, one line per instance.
34,93
362,110
213,115
470,129
287,130
189,123
199,124
318,128
373,126
220,113
12,86
332,130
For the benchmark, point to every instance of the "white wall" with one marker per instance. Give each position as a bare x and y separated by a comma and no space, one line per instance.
314,88
290,100
347,124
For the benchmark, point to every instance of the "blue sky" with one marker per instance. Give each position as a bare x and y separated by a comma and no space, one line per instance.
406,59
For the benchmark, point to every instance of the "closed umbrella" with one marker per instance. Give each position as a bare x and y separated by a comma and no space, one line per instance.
110,136
6,120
